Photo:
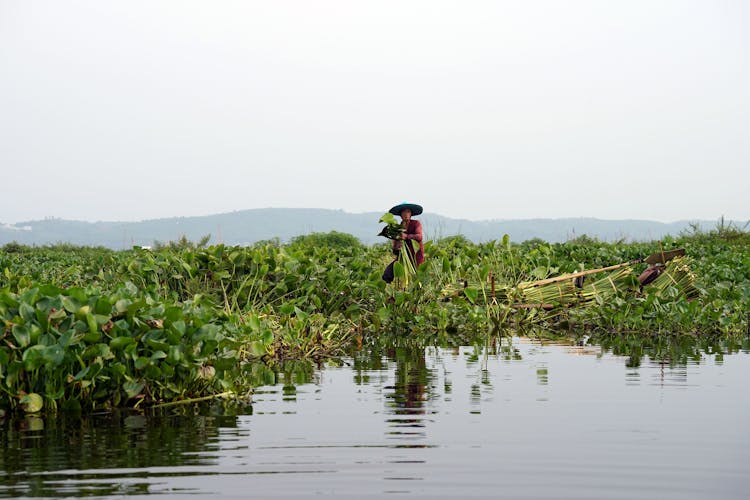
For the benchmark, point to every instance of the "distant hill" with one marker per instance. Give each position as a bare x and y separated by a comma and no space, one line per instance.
249,226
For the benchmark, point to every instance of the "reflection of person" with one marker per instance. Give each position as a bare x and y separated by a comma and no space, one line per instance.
412,379
412,231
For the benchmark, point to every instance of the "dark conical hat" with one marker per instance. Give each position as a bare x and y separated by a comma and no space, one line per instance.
415,209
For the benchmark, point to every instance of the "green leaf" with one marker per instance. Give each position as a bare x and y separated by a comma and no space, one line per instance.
158,355
398,270
257,349
26,312
254,322
141,363
120,342
70,304
132,388
471,294
175,355
22,335
103,306
122,305
484,272
54,355
32,402
179,327
91,323
33,357
389,219
58,314
267,336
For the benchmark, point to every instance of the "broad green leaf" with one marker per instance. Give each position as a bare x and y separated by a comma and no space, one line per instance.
22,335
254,322
91,323
33,357
132,388
26,312
120,342
53,356
32,402
398,270
446,265
141,363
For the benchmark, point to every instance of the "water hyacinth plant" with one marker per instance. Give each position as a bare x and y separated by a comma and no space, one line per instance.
93,328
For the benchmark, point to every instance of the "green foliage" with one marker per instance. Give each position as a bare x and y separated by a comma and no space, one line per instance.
183,243
14,247
93,328
332,239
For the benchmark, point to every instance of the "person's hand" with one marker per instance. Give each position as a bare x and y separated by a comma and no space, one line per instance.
403,236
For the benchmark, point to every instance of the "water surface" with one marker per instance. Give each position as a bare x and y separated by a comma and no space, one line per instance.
514,419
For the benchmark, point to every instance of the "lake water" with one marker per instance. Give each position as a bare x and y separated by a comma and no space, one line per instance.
511,419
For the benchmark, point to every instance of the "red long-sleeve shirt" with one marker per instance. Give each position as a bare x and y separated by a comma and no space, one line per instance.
413,232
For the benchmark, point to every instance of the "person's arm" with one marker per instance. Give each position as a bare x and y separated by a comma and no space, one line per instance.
417,234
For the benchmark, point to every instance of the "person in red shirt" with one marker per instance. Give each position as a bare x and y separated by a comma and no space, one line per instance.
413,231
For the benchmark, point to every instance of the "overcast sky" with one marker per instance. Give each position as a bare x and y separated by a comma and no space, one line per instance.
481,110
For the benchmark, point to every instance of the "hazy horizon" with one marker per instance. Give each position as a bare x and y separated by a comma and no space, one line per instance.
93,221
486,110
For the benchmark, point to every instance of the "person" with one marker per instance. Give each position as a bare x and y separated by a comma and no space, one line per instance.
413,232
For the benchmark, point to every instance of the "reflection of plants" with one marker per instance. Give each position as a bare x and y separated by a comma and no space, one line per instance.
672,350
116,441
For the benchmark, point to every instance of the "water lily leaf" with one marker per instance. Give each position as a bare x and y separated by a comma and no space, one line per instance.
32,403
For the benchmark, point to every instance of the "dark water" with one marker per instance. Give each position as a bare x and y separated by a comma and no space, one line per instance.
519,419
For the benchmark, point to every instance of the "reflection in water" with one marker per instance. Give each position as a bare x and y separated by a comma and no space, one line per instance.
525,417
407,397
104,454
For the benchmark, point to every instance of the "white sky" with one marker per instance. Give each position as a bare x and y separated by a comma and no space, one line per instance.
501,109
